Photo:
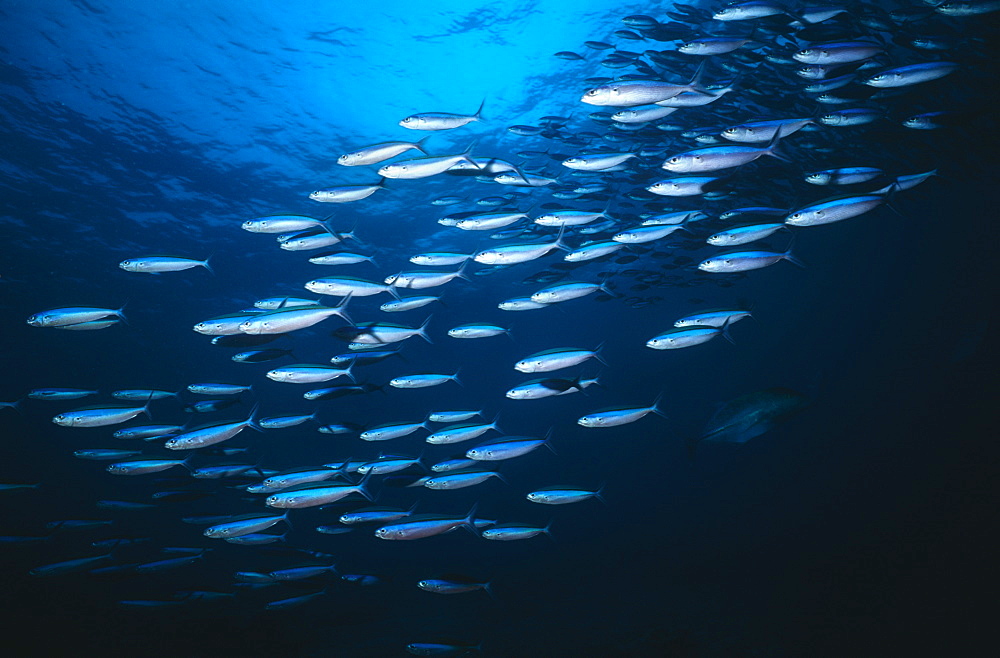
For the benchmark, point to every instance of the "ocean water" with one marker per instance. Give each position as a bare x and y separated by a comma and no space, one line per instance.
859,526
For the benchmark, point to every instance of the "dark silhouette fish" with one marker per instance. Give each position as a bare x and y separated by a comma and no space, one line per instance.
751,415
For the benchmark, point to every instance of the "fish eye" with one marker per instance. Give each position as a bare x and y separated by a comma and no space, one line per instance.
591,92
806,52
727,261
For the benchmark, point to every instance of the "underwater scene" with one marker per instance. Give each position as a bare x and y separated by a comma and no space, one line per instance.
493,328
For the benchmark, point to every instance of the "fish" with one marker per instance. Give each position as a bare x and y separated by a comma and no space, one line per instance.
426,166
244,525
441,120
347,194
293,319
423,526
453,585
621,415
753,414
380,152
563,495
459,479
313,495
99,416
508,447
212,434
557,359
423,380
742,261
73,315
158,264
515,532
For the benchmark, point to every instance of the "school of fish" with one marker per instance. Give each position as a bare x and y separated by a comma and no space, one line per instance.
706,144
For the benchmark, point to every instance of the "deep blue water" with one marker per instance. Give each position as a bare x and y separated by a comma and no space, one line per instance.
859,527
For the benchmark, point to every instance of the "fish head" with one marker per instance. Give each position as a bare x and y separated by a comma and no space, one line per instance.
537,497
394,170
603,95
682,163
216,532
412,122
832,119
809,55
420,259
624,237
884,79
489,257
274,501
205,327
543,297
717,240
251,327
66,420
371,435
689,48
39,319
348,159
819,178
811,72
526,366
391,279
805,217
712,265
737,132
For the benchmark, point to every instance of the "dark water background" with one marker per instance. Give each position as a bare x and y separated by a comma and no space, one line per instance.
859,528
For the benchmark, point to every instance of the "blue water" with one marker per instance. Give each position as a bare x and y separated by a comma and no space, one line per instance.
857,528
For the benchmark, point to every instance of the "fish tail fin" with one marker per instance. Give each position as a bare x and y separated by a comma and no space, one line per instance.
547,530
496,419
467,153
488,588
772,146
696,81
120,312
145,407
461,270
478,116
363,487
656,406
548,441
391,289
501,478
455,378
419,144
725,332
559,244
597,355
422,331
252,418
15,405
599,494
792,259
205,263
287,520
341,308
349,371
470,518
